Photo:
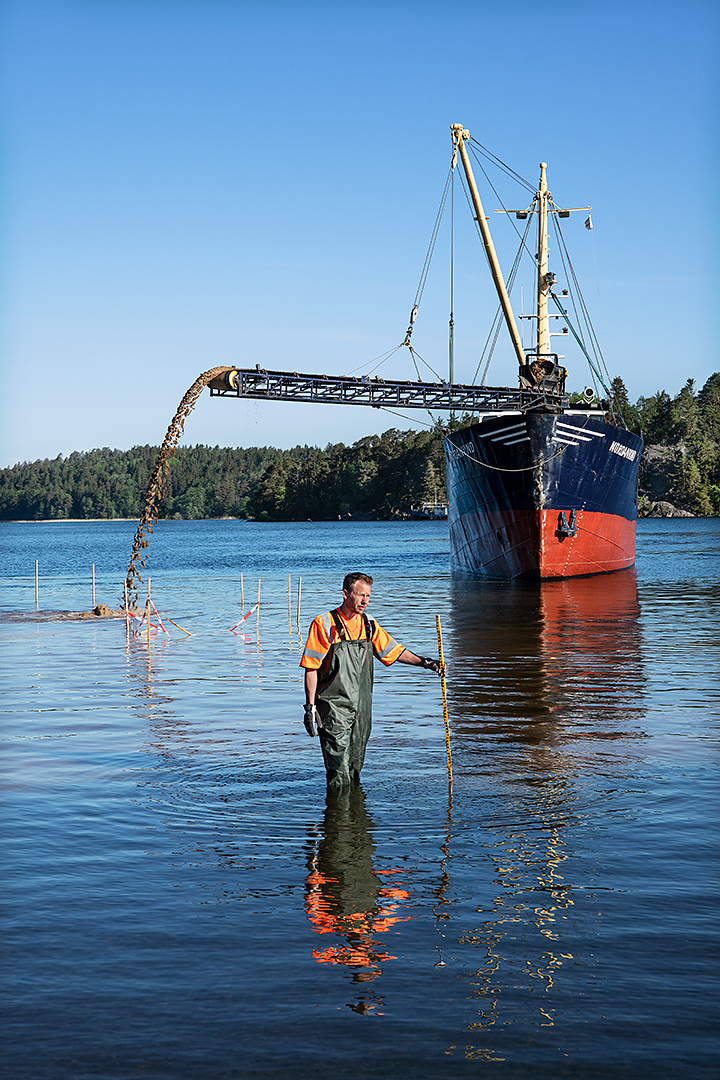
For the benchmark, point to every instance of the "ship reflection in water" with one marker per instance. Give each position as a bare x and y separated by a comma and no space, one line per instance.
347,899
544,661
540,672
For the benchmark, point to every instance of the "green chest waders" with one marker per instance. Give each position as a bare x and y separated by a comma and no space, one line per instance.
344,701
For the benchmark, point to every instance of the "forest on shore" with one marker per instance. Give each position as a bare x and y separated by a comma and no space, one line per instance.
378,477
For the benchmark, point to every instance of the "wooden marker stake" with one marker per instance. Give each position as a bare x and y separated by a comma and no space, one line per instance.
242,596
298,611
444,700
147,614
93,584
37,588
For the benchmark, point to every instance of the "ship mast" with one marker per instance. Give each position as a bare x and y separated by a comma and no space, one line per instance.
460,137
545,279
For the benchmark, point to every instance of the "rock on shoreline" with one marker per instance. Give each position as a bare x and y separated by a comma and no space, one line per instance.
663,509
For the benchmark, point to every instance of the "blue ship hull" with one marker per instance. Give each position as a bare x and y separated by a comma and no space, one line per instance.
542,495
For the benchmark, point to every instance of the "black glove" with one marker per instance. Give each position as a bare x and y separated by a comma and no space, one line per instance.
430,664
312,720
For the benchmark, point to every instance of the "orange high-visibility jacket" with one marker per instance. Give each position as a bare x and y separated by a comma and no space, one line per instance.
324,634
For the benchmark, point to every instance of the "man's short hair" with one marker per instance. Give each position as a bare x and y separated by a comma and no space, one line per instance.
350,580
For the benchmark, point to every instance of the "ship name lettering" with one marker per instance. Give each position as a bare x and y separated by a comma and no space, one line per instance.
623,451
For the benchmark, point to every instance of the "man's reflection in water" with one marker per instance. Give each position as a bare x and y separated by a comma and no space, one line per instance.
346,898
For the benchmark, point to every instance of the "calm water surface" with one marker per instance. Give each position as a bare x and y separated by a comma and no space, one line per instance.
180,901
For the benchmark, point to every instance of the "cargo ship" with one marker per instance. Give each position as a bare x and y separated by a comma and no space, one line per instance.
536,488
550,490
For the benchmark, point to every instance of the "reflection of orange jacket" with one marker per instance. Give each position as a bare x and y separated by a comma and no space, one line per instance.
358,926
324,634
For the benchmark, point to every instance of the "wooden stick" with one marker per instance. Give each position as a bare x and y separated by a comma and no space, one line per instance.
127,615
147,609
242,595
298,611
444,700
37,593
257,625
289,606
179,627
93,580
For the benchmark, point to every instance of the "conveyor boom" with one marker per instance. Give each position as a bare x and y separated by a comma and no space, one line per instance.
265,385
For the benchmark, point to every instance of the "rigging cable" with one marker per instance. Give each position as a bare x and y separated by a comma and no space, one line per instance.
502,204
428,366
578,340
568,275
428,259
566,270
495,328
501,164
381,360
586,314
413,420
497,322
597,285
419,293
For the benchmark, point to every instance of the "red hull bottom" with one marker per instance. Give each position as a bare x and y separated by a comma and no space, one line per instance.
504,545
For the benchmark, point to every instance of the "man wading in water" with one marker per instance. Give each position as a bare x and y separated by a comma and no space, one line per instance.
338,663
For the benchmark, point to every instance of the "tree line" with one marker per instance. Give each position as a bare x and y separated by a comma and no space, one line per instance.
682,444
380,476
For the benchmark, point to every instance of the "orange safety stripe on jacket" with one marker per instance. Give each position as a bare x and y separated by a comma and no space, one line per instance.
324,634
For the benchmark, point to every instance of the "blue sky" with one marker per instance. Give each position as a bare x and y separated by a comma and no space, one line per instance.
189,184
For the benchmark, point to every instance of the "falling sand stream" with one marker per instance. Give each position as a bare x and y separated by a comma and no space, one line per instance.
156,487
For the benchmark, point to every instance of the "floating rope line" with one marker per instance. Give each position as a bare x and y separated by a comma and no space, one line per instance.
156,487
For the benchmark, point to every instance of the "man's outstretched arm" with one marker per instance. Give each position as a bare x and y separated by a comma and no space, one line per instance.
407,657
